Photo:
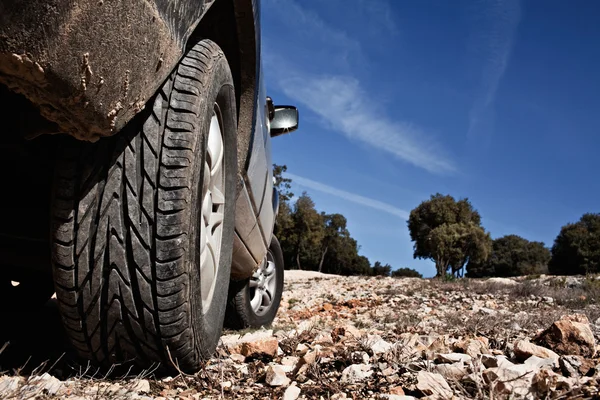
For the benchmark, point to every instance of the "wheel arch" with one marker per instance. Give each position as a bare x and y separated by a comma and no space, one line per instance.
232,24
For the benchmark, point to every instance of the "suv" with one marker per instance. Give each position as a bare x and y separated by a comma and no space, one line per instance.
150,212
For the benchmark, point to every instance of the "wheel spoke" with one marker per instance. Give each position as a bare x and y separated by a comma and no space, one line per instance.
270,269
215,145
266,298
256,300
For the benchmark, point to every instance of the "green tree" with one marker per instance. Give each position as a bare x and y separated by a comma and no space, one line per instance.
381,270
334,230
359,265
282,184
512,255
448,232
406,272
307,233
454,245
576,249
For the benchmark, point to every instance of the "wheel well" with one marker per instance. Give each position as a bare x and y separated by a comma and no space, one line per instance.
231,25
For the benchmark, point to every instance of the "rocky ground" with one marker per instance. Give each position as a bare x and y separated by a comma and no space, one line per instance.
378,338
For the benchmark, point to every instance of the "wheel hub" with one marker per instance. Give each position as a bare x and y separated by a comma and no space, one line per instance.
263,285
213,207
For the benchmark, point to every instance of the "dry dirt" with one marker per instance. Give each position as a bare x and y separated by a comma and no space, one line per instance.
355,337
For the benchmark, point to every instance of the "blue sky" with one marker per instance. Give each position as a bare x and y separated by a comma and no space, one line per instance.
497,101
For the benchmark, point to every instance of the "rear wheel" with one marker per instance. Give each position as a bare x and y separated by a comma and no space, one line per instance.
143,224
254,302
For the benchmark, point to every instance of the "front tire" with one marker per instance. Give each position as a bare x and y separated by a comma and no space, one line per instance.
254,302
143,225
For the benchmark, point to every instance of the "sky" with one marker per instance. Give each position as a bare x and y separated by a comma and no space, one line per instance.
496,101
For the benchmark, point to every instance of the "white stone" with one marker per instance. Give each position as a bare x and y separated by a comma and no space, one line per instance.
47,382
9,384
356,373
431,384
291,393
503,281
453,358
275,376
377,344
140,386
539,362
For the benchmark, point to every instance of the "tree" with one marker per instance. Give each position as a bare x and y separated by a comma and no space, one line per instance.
448,232
452,246
359,265
381,270
282,184
576,249
512,255
308,232
406,272
335,228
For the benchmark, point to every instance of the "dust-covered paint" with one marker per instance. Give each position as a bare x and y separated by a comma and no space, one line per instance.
56,51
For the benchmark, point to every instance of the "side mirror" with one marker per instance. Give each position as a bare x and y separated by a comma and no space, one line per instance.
285,120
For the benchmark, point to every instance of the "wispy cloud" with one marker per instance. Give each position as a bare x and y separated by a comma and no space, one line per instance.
314,41
347,108
355,198
321,75
499,21
380,12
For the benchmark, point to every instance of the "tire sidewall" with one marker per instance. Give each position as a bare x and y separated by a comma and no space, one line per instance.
207,326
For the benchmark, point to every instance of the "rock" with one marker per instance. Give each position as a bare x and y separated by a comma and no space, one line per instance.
524,349
291,393
489,361
327,307
236,357
302,348
377,344
356,373
548,299
275,376
261,347
487,311
234,343
290,361
453,358
574,366
571,335
513,380
338,334
439,345
396,397
473,347
140,386
397,390
9,384
431,384
451,371
503,281
538,363
48,383
323,338
339,396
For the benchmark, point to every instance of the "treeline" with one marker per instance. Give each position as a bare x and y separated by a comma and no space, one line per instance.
317,241
450,233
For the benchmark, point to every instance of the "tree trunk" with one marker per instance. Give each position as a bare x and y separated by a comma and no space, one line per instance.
298,260
323,258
